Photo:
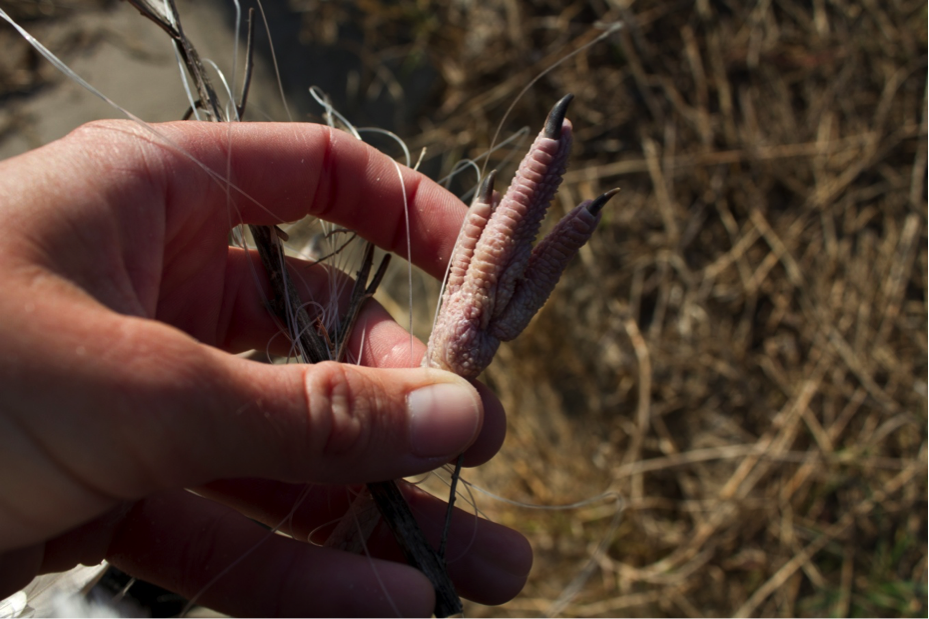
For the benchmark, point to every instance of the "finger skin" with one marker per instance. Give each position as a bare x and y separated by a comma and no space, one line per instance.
489,563
166,256
176,541
120,291
377,341
171,413
86,276
282,172
182,542
220,559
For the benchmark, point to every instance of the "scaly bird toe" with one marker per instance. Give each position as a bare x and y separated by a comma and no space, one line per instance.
497,280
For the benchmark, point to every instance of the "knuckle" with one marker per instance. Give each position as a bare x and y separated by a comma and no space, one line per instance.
339,409
96,126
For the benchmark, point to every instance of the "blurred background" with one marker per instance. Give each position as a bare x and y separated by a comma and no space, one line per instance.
740,353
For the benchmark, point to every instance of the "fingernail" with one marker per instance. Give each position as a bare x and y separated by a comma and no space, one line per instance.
444,418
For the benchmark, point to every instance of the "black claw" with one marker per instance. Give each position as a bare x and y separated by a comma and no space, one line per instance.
556,117
595,206
485,193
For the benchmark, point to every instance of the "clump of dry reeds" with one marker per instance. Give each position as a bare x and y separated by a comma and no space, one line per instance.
741,353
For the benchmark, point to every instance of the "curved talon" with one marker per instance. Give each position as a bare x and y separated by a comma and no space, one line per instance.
556,117
485,192
601,200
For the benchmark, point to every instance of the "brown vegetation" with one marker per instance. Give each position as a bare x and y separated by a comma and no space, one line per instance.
741,354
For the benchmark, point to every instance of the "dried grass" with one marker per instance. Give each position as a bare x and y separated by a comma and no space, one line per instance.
741,352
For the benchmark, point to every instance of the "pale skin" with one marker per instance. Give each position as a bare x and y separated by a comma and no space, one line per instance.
121,305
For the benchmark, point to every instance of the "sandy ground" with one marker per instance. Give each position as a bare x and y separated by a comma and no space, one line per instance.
128,59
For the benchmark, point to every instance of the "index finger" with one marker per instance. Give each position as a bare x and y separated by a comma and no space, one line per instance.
285,171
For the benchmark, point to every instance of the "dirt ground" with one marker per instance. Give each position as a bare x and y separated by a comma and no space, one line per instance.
739,357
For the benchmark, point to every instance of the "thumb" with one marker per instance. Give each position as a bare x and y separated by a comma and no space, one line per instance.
340,423
127,407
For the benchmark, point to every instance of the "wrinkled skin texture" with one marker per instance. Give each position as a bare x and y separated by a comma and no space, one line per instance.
497,280
121,303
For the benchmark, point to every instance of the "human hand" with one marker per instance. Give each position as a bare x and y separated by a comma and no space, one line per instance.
121,303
